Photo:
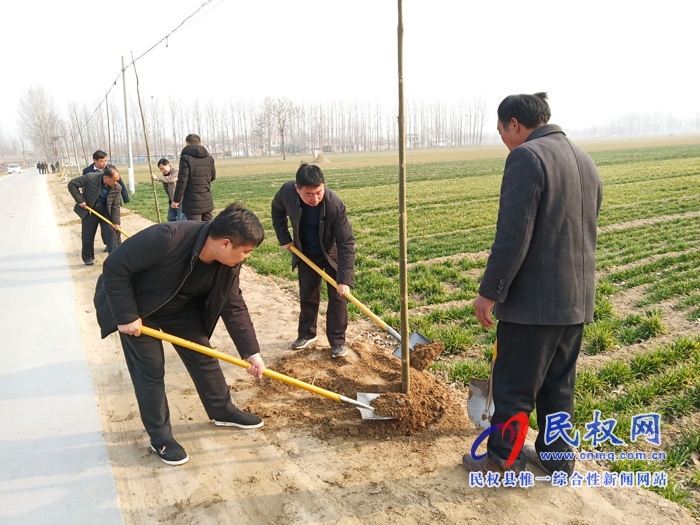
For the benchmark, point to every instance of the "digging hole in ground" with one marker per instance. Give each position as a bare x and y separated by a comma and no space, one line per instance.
429,405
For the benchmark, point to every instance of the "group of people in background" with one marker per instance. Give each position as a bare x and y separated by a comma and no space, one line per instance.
44,167
183,275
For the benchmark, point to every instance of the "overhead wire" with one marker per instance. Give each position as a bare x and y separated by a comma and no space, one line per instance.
165,38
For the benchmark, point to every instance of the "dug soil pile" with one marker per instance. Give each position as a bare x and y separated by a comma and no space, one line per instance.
368,368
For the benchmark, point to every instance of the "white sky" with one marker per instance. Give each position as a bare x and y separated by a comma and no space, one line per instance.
597,59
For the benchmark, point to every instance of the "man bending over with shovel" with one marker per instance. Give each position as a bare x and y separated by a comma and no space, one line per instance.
540,275
323,233
180,277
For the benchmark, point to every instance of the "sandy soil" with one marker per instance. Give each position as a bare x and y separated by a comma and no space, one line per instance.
314,461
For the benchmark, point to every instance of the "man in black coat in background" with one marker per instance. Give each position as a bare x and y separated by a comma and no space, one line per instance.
540,275
195,176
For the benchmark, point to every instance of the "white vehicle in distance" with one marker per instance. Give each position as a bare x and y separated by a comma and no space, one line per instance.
14,168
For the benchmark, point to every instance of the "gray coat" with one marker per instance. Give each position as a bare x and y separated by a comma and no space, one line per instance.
169,182
91,187
541,269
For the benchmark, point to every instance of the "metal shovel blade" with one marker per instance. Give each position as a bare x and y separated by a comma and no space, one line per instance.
365,399
414,339
479,412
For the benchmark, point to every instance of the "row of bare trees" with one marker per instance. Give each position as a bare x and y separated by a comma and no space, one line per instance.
243,128
275,126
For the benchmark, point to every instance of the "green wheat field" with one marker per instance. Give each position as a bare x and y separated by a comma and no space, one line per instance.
641,353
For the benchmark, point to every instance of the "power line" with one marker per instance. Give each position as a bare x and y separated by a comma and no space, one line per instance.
165,38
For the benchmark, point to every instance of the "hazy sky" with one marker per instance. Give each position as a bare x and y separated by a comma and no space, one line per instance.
597,59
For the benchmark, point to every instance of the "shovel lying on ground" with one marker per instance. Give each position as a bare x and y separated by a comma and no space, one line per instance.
88,208
413,339
363,399
480,405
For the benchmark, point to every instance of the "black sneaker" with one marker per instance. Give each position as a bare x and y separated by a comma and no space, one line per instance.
170,452
239,419
105,250
338,351
89,262
303,343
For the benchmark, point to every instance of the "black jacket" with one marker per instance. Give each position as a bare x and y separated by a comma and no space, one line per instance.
335,232
125,194
541,270
195,176
148,269
91,188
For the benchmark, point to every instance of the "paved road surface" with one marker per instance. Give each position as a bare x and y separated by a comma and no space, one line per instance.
54,466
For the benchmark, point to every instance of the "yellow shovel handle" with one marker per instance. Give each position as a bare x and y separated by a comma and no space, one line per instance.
238,362
88,208
349,296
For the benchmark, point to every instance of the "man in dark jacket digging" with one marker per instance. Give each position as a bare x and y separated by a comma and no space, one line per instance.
194,180
101,192
323,233
180,277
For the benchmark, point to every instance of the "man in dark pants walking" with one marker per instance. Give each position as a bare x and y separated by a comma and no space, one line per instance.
193,188
323,233
180,277
540,275
100,191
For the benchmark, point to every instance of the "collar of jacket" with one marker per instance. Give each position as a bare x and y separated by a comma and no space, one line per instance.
547,129
201,239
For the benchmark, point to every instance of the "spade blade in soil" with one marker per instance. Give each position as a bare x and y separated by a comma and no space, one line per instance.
479,406
414,339
365,399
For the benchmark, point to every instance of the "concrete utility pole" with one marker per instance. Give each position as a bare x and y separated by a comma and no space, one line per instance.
130,156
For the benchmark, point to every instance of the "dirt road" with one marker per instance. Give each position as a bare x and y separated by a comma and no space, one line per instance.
314,461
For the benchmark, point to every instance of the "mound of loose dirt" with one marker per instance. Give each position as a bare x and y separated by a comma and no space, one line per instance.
320,159
367,368
425,354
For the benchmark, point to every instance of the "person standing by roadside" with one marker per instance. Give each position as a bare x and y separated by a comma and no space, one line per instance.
193,188
323,233
202,262
540,275
169,180
100,191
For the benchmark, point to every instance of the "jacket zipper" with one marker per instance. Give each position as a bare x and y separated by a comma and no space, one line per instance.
178,288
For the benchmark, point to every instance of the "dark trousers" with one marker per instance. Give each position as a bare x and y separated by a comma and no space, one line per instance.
146,363
535,367
310,298
90,224
206,217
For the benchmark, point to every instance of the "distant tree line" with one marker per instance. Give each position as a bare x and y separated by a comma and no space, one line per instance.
275,126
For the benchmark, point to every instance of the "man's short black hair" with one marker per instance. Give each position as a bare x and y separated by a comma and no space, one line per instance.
309,175
163,162
193,139
532,111
238,225
99,154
